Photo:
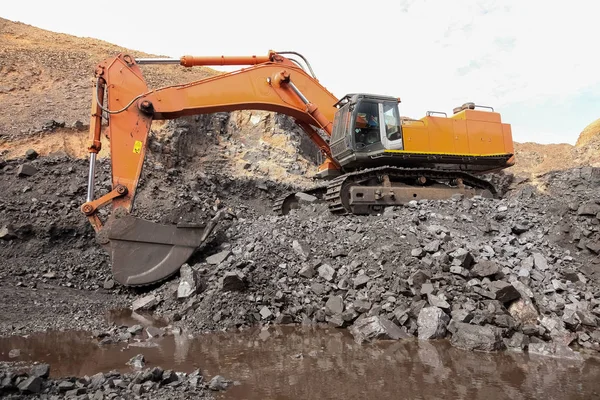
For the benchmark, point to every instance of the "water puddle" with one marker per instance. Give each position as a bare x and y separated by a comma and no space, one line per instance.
322,363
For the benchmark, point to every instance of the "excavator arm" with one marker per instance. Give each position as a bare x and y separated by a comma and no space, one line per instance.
143,252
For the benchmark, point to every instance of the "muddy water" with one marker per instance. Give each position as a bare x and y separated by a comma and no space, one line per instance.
319,363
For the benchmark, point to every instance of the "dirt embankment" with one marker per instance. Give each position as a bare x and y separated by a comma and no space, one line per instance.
48,76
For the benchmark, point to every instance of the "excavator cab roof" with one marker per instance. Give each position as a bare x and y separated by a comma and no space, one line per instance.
355,97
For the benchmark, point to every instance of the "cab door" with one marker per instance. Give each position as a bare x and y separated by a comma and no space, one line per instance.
390,126
340,142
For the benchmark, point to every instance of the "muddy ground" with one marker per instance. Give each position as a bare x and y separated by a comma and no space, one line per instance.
516,273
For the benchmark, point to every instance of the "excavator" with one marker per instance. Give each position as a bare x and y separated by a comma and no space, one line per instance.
373,157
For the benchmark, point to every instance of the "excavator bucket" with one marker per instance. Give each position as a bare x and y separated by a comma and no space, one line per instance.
144,252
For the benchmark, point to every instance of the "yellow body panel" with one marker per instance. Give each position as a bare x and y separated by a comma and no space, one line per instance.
469,132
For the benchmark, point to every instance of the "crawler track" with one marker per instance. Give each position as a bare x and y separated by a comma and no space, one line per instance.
335,191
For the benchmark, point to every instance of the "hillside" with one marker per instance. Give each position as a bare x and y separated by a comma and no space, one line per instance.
47,76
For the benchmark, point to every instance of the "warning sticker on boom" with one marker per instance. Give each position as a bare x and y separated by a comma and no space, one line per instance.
137,147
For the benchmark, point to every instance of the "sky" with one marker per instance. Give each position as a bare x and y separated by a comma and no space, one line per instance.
535,62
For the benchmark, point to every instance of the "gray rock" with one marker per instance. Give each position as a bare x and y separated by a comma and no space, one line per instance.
326,272
33,384
96,381
593,246
525,290
485,268
108,284
417,252
558,286
418,279
284,319
135,329
337,321
319,289
26,170
540,261
189,282
503,291
458,270
520,228
233,281
438,301
461,315
137,389
334,305
301,249
6,381
462,258
589,208
360,281
65,386
558,332
137,362
169,376
14,353
349,315
305,198
218,383
517,342
524,312
31,154
362,306
376,328
40,370
265,313
218,258
587,318
427,288
153,332
145,303
555,350
307,271
432,246
78,125
432,323
476,337
7,232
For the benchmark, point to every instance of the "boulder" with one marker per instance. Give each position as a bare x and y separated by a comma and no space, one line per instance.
432,323
485,268
376,328
476,337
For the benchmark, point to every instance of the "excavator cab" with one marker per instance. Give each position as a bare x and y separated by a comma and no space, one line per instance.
364,127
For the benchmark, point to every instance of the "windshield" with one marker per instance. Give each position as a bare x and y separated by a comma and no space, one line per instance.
366,125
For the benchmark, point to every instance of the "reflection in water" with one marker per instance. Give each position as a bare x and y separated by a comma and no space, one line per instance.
313,363
128,317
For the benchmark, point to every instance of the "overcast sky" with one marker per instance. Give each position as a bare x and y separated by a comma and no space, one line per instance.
535,61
